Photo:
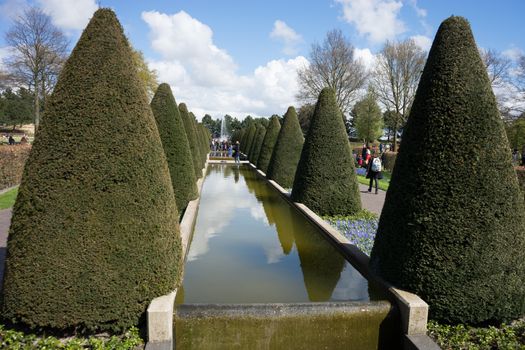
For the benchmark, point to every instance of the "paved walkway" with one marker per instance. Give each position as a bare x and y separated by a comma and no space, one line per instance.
371,201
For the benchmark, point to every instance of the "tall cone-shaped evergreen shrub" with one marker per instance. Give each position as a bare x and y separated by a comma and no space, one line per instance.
243,139
287,151
453,225
189,126
176,145
268,144
94,235
257,144
324,182
250,137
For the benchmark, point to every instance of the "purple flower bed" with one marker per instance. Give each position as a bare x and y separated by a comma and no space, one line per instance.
360,231
360,171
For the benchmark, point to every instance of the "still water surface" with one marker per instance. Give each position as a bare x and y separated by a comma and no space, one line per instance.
250,246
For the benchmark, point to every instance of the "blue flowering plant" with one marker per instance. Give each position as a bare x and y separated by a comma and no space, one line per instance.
360,229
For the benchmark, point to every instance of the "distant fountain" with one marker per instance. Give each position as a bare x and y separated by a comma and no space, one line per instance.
225,135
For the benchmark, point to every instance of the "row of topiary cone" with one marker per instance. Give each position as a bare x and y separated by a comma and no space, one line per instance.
95,234
452,227
319,168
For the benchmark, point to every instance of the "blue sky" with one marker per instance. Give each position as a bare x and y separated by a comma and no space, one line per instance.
221,56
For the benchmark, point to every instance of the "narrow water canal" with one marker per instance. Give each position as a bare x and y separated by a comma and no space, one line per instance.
250,246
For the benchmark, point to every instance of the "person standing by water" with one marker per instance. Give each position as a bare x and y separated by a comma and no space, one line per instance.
237,153
373,170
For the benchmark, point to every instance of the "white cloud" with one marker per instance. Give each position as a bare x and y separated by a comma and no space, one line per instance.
67,14
12,8
375,19
5,52
419,11
366,57
205,76
422,41
513,53
282,32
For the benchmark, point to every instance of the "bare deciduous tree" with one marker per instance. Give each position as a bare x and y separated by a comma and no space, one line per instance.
332,64
40,50
149,77
497,66
396,77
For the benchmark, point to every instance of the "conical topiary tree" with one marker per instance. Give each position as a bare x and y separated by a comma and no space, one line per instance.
325,183
257,144
287,151
176,145
94,235
250,137
242,141
453,225
268,144
189,126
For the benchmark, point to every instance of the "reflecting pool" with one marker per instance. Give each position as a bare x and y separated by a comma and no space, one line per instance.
250,246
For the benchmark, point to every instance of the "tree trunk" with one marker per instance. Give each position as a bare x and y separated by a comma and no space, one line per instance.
37,105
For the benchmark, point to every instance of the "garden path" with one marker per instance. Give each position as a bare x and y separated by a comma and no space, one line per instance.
371,201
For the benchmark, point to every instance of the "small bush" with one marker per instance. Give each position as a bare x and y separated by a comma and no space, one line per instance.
389,160
12,161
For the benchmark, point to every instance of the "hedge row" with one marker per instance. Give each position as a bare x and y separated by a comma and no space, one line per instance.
520,171
12,161
389,160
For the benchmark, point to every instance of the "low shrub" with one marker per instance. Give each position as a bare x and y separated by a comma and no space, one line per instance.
462,337
13,339
12,161
389,159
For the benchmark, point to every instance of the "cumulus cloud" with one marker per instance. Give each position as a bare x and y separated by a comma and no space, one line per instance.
282,32
419,11
5,52
366,57
375,19
422,41
69,15
513,53
205,76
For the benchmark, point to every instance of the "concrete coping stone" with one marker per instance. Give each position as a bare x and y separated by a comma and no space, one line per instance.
276,310
160,310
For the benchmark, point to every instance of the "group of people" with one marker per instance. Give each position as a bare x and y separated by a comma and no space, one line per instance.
10,140
226,146
372,162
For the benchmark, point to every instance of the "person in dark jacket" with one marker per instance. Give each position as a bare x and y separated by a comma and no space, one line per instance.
237,153
372,172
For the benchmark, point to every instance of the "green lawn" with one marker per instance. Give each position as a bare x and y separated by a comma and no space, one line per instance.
383,183
7,199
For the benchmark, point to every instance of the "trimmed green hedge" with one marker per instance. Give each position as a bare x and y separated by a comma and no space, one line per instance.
389,160
452,228
268,144
325,180
189,126
257,144
94,235
250,137
176,145
12,161
287,151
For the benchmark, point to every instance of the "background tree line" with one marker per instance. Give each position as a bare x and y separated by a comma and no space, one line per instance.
377,101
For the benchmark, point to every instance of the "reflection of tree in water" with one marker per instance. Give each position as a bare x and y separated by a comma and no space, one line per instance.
280,214
320,261
228,170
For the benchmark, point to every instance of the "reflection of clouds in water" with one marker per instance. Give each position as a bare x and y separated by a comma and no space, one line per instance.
222,199
273,251
257,212
350,285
